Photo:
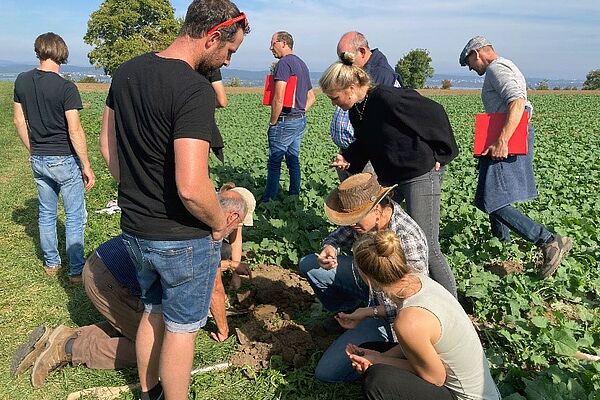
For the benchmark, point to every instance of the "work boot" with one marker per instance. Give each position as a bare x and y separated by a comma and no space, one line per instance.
51,269
554,252
26,354
54,355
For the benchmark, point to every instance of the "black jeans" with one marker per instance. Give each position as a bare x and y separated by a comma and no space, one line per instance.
386,382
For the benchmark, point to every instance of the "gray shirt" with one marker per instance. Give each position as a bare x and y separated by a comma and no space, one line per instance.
467,369
503,84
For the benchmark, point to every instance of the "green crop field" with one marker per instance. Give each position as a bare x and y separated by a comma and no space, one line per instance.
531,328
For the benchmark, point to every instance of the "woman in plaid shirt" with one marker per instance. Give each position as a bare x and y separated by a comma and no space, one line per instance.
359,205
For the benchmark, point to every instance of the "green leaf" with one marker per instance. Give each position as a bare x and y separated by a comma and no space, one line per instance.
564,343
540,322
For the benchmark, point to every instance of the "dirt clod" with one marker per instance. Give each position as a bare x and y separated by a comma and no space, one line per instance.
503,268
277,298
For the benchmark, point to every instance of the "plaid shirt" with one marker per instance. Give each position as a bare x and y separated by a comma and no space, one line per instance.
340,129
412,240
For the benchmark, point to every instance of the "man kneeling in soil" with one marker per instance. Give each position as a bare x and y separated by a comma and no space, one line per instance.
110,283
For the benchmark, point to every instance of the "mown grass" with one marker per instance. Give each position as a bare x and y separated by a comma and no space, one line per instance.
528,359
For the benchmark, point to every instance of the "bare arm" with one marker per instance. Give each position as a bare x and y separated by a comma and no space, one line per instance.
79,143
21,125
219,89
277,103
310,99
499,150
417,329
108,142
194,185
217,309
235,240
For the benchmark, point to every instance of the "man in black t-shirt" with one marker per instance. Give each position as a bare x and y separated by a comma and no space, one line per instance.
46,115
158,124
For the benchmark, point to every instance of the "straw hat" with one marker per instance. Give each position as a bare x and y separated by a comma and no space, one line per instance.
354,198
250,204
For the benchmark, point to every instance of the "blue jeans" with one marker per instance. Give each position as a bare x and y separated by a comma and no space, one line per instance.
338,289
176,278
54,175
284,141
422,197
335,366
342,289
509,218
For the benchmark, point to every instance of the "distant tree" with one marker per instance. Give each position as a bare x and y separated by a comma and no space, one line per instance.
542,85
88,79
415,67
556,88
122,29
234,81
68,77
272,67
446,84
592,80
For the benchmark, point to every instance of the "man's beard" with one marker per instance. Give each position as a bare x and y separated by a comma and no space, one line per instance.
206,68
208,64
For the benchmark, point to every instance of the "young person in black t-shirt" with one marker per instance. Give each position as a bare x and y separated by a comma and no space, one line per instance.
46,115
158,118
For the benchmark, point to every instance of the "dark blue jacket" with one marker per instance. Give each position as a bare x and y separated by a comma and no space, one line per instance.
380,71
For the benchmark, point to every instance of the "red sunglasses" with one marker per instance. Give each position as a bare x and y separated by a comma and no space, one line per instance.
229,22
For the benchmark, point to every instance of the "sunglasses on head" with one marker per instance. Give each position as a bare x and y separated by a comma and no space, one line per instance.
229,22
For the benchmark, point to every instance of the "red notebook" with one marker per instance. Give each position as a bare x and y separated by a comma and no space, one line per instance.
487,130
289,97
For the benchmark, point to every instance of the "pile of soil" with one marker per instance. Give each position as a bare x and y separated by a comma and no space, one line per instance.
503,268
276,298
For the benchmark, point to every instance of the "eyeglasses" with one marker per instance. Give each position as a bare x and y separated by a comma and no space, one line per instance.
229,22
469,55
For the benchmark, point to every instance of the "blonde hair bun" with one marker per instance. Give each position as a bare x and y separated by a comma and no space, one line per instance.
347,58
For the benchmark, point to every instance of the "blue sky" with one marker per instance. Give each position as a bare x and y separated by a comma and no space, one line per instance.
546,39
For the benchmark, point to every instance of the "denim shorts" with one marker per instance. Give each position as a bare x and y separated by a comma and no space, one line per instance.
176,278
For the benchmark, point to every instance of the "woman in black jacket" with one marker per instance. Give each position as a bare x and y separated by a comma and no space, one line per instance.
409,141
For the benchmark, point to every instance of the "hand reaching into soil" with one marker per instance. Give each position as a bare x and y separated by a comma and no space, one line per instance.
241,269
219,337
351,321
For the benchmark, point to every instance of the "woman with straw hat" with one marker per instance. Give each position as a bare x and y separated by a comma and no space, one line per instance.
407,138
438,354
359,205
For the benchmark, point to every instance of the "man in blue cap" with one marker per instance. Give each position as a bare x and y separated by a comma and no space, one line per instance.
505,179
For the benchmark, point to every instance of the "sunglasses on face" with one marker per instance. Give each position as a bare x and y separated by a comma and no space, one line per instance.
229,22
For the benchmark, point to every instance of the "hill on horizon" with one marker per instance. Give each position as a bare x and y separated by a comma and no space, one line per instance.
10,69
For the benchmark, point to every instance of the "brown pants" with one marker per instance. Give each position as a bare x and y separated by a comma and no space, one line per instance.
109,344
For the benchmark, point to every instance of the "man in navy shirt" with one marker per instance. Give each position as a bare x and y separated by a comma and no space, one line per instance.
287,124
110,282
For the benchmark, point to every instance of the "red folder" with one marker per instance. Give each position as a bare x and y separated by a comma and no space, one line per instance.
289,97
487,130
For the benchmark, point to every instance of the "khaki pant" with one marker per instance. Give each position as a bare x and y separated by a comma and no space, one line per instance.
109,344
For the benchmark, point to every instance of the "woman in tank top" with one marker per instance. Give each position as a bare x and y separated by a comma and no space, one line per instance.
439,355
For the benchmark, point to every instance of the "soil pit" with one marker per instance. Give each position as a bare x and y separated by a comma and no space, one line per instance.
277,299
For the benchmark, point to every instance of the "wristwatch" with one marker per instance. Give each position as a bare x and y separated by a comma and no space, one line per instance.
375,311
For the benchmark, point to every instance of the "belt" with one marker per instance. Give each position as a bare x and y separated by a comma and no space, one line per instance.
283,118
